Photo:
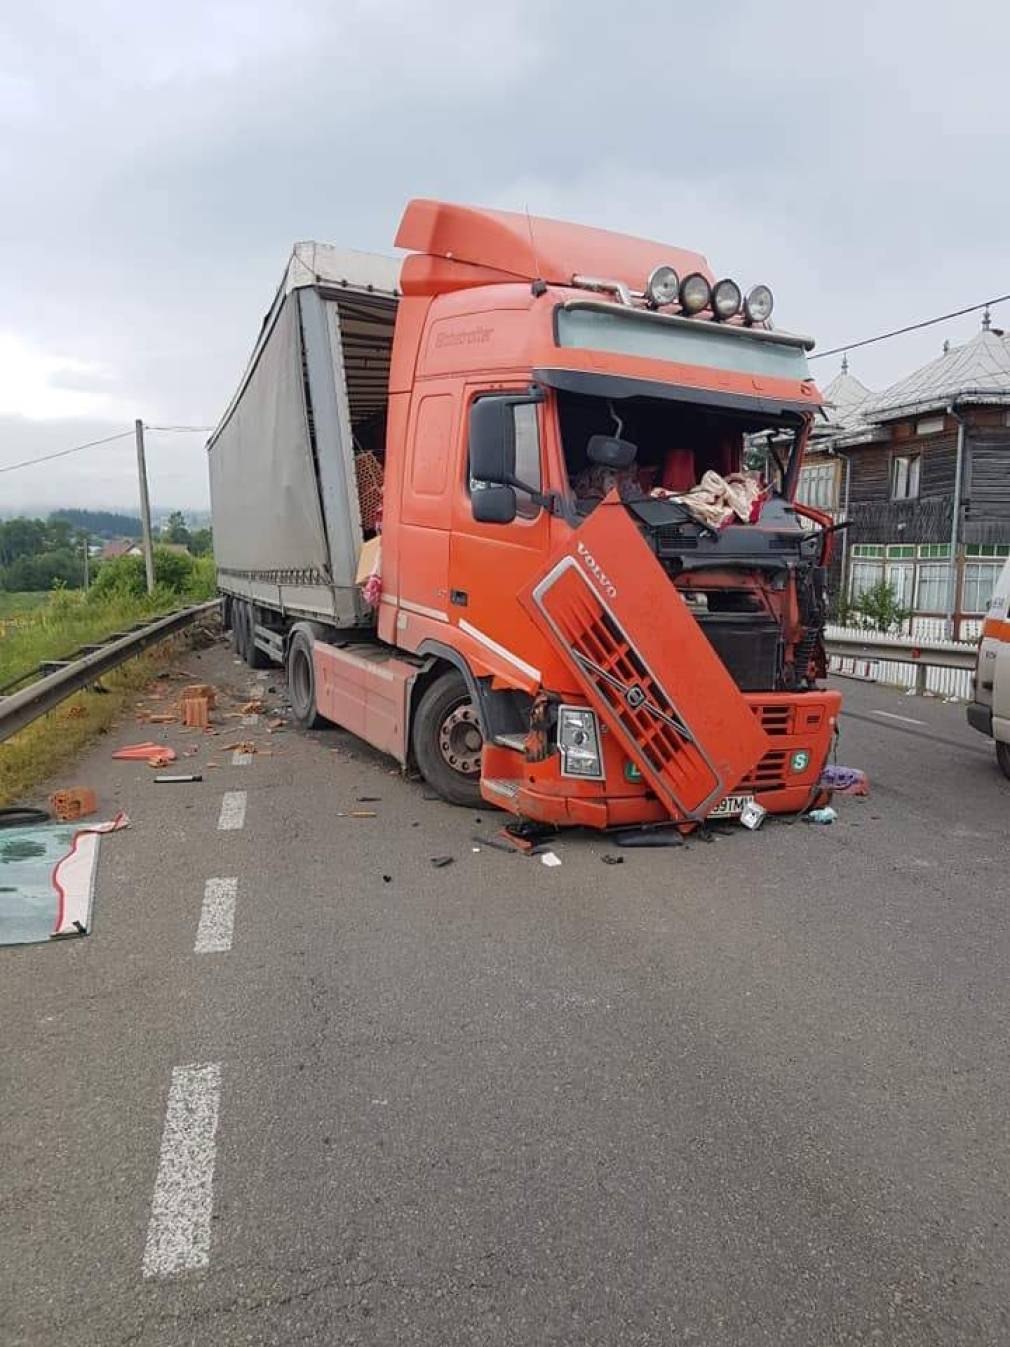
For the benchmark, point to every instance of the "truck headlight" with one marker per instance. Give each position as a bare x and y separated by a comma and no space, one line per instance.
759,304
662,287
579,742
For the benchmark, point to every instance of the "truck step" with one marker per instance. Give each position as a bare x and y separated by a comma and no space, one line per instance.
501,786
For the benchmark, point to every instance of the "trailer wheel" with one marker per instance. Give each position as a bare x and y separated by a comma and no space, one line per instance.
237,609
447,740
250,651
302,683
1003,758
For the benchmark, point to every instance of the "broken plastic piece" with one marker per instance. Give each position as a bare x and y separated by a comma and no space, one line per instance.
845,780
825,815
752,815
607,859
440,862
549,858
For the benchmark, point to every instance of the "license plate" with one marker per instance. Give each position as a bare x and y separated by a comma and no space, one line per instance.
731,806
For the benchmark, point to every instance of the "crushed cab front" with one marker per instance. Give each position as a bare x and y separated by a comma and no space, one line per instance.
645,665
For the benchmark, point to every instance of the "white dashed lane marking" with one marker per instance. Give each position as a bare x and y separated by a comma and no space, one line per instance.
232,811
891,715
240,759
178,1236
217,918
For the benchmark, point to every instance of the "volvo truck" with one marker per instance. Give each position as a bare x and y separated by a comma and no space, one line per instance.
456,494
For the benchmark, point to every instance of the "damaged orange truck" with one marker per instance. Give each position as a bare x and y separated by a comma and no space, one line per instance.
460,496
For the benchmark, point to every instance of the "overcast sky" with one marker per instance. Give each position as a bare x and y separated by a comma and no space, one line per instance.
158,161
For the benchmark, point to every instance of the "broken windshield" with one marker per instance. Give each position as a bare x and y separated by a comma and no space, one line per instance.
675,445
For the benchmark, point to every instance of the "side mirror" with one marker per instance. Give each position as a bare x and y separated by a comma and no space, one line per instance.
493,504
609,452
492,441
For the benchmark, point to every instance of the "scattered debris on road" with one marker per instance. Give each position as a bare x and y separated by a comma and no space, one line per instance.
845,780
160,753
48,873
166,780
752,815
73,803
825,815
440,862
608,859
549,858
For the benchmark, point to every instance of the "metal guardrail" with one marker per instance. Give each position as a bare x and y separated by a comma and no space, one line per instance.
924,655
21,708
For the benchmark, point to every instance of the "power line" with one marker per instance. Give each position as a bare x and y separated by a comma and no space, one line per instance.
196,430
62,453
912,327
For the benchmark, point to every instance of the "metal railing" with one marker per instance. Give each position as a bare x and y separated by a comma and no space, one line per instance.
21,708
923,655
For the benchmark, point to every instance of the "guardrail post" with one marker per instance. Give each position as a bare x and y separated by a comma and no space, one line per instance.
921,671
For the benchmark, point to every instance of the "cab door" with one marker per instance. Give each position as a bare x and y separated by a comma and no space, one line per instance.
645,665
489,563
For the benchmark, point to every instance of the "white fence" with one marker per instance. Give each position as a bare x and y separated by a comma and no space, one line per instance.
949,683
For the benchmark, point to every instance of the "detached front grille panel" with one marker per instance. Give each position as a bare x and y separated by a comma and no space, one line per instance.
626,692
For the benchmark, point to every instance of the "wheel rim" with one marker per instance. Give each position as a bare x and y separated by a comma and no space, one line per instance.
460,740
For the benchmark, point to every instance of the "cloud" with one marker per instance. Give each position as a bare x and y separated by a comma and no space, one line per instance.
163,159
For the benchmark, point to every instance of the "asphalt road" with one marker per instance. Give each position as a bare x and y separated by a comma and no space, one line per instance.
746,1092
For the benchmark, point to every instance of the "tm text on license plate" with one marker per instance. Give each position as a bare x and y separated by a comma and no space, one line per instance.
733,804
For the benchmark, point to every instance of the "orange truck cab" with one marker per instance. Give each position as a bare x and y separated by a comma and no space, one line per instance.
459,496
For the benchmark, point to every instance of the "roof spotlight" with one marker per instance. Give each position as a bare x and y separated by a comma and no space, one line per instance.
759,304
726,299
695,293
662,287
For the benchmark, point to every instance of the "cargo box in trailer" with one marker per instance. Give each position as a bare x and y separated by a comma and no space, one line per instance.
491,507
288,528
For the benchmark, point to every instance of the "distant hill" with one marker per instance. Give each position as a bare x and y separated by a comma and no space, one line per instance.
101,523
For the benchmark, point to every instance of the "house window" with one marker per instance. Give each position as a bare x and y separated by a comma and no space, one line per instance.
818,486
929,425
905,476
933,589
901,578
864,575
979,582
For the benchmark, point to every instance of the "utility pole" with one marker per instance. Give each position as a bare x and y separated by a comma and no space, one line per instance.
87,575
145,506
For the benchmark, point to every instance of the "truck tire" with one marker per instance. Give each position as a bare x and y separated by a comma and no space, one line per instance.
447,740
302,683
250,651
1003,758
236,627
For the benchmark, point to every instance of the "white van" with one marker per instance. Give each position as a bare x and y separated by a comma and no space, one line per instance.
989,712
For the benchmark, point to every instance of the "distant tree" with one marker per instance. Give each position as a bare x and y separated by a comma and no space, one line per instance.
101,523
21,538
879,609
175,530
201,542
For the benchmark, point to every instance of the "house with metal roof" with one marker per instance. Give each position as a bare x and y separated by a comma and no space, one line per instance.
920,474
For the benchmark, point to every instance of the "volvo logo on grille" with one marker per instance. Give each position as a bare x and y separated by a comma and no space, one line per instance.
634,696
591,564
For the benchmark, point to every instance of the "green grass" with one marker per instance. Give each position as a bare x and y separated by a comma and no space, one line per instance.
21,601
69,619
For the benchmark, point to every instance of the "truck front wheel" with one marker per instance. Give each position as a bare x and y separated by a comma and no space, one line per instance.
447,740
1003,758
302,683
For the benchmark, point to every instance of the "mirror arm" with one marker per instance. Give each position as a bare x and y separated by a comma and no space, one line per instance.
547,500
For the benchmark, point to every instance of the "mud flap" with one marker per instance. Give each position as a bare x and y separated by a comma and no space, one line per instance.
645,664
